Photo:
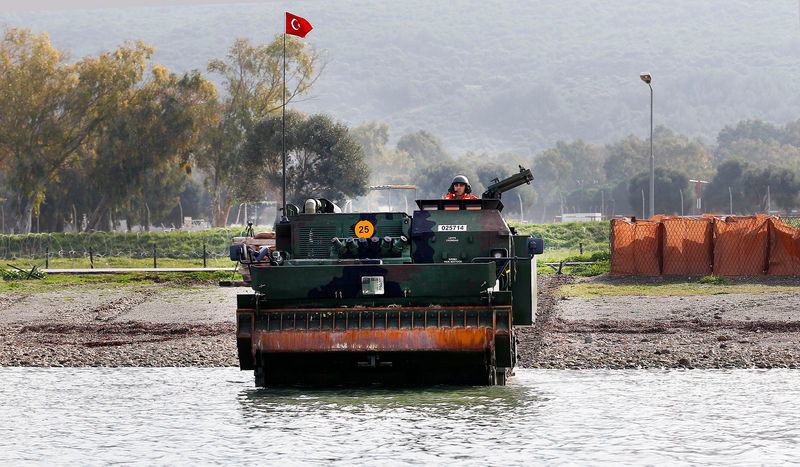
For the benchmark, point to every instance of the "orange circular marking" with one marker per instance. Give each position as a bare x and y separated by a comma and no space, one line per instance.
364,229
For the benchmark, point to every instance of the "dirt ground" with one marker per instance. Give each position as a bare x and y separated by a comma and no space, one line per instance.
142,325
706,331
169,325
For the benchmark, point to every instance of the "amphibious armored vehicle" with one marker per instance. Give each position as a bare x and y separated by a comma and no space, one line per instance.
356,298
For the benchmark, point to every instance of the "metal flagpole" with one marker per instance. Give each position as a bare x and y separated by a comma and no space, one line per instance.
283,127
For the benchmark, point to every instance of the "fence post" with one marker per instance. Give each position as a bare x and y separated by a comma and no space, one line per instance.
47,258
155,264
204,255
91,258
581,246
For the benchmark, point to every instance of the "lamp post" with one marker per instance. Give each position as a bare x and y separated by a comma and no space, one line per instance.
646,78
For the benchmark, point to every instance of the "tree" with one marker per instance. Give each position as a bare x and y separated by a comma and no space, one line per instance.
631,155
49,108
726,184
551,170
781,183
423,148
386,166
594,199
761,142
756,130
680,152
626,157
586,162
252,78
762,152
323,159
151,134
668,186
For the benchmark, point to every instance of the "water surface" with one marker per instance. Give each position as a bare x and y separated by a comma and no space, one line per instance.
94,416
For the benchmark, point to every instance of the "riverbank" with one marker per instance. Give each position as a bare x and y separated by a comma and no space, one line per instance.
711,329
106,324
191,323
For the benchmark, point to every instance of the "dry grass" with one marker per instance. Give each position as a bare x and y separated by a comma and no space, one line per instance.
680,288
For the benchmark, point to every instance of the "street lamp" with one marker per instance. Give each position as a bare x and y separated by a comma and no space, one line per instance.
646,78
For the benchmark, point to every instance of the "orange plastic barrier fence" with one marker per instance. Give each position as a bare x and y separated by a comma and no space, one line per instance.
687,246
634,247
725,246
784,249
740,245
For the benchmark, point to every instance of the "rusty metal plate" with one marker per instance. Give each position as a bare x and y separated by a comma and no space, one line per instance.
358,340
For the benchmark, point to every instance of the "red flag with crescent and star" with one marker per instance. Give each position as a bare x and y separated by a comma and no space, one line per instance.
296,25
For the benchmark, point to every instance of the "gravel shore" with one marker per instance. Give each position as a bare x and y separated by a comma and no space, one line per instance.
95,325
705,331
167,325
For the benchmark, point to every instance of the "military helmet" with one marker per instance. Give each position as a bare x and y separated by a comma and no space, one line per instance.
460,179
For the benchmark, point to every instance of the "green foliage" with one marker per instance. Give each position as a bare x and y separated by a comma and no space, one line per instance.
131,245
726,184
253,80
423,147
49,108
167,110
386,166
551,169
761,143
782,184
745,186
516,88
427,80
323,159
669,183
714,280
17,274
604,255
629,156
593,235
589,270
601,263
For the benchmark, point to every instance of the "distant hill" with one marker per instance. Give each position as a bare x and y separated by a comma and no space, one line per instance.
495,75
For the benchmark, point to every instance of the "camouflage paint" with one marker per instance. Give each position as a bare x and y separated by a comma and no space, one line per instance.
400,280
317,303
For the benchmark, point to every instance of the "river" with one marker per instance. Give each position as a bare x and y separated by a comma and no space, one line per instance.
99,416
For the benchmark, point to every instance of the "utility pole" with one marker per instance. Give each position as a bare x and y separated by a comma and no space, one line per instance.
730,201
643,204
647,79
769,207
602,204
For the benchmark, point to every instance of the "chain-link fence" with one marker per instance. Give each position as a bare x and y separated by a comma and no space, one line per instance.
113,249
724,246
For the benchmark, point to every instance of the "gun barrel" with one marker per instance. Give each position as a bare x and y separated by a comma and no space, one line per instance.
500,187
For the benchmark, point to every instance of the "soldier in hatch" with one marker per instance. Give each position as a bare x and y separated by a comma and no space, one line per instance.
460,189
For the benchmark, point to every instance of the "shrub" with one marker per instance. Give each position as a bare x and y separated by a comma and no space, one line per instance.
714,280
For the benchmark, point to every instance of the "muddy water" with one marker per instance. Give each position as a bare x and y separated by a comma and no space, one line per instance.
184,415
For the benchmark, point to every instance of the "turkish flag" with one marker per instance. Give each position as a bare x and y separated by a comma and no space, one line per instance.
296,25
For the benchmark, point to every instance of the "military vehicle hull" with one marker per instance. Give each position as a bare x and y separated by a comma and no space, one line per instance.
398,345
431,323
360,298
